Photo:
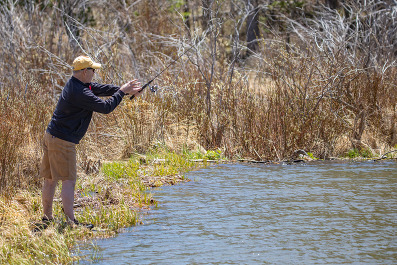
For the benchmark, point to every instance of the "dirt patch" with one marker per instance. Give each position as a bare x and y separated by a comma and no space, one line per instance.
158,181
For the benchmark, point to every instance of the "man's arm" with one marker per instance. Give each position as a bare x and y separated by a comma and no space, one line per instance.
103,90
86,98
132,87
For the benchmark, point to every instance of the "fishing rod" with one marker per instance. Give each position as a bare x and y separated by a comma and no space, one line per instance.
154,88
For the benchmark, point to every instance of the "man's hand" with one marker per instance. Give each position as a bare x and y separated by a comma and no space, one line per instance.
131,88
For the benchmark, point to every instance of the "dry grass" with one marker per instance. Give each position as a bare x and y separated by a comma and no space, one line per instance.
18,245
324,97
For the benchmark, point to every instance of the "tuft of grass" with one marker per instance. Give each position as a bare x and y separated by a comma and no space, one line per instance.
115,170
158,166
110,218
311,156
359,152
213,155
20,245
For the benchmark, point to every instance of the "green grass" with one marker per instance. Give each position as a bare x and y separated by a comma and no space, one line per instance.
159,161
359,153
208,155
213,155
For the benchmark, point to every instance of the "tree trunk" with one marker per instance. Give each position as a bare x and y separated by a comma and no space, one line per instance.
333,4
187,12
252,26
206,13
393,129
71,28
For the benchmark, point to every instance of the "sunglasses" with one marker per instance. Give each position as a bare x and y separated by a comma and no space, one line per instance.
91,69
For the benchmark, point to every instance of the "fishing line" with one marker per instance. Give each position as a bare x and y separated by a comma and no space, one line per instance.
154,88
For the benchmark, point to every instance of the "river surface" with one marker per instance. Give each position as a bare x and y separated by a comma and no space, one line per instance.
323,213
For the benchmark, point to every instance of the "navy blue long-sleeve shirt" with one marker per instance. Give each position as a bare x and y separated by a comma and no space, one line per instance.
75,106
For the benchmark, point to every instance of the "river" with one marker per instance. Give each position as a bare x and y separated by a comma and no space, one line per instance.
320,213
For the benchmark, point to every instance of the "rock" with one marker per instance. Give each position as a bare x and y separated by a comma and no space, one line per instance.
301,154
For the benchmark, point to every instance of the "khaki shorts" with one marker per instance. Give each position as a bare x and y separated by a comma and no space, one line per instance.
59,159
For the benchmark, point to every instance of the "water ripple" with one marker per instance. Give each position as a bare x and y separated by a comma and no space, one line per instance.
260,214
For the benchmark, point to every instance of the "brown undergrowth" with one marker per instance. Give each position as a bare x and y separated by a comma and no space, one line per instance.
317,91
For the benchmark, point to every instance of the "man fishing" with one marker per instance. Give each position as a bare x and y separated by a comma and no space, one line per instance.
69,123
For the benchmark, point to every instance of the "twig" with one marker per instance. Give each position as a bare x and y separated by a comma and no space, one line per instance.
384,155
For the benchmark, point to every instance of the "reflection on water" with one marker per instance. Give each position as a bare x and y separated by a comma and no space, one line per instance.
269,214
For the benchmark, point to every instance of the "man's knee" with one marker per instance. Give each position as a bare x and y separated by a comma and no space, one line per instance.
68,184
49,184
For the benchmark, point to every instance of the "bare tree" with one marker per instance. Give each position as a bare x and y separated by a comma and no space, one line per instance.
74,14
253,26
332,3
361,45
206,10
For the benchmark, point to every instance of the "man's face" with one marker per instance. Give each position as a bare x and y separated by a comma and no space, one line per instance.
89,74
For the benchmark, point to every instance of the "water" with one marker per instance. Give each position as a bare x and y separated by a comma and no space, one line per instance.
268,214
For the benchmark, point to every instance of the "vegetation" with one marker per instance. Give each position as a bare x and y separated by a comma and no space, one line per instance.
317,76
355,153
264,78
110,199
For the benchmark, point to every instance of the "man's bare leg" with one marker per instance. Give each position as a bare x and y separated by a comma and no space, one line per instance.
47,197
67,195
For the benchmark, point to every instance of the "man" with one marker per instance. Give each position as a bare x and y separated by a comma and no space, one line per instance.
69,123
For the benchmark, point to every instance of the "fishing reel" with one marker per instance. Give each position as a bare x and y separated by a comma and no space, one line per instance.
153,88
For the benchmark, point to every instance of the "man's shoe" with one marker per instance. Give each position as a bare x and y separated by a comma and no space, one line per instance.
45,222
89,226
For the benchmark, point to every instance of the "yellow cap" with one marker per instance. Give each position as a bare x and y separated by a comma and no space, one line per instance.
83,62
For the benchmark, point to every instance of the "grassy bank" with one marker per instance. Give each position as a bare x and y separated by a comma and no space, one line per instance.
110,198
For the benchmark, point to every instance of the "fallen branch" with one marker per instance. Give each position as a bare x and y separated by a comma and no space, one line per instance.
384,155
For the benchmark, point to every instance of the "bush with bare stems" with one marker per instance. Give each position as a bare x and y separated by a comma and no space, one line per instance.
264,78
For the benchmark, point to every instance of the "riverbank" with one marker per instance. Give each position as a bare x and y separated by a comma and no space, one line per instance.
110,196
